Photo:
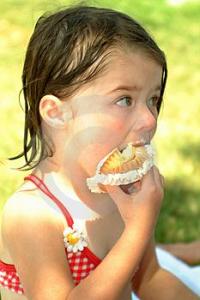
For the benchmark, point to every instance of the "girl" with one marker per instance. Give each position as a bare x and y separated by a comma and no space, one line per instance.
93,80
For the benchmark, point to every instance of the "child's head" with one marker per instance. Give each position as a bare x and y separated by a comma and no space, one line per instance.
68,49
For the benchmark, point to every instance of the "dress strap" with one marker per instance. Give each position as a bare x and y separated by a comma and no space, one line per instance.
42,186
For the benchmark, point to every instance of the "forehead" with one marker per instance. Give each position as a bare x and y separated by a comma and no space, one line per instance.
129,68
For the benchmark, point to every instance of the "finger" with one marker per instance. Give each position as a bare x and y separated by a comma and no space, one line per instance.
159,179
116,193
162,178
148,178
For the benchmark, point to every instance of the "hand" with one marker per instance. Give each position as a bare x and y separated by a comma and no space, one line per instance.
142,206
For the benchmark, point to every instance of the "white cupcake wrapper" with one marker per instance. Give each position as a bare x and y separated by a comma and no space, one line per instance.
119,178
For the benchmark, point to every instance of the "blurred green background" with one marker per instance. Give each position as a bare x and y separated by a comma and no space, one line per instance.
176,27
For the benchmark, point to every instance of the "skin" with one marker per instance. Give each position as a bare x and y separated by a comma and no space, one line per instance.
188,252
96,129
120,227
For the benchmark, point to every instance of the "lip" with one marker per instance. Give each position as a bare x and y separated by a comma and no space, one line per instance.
138,143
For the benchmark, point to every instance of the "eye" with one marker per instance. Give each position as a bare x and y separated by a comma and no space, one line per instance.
153,101
125,101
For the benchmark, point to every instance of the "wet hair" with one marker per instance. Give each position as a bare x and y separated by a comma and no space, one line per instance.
67,49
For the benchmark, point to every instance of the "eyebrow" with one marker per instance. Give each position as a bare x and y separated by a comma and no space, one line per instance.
132,88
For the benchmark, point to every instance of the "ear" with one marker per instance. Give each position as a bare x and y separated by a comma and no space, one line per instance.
54,112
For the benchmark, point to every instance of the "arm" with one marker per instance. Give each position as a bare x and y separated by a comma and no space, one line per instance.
39,255
188,252
153,282
33,238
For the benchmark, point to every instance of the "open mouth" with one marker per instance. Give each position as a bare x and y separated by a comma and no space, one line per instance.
121,149
124,166
139,143
124,159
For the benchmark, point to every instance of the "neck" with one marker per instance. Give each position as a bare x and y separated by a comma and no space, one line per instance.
73,186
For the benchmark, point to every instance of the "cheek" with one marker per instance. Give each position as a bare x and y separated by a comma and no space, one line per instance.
96,143
96,148
90,156
118,126
93,137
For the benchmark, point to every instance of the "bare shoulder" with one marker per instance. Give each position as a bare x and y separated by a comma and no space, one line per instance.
33,236
25,214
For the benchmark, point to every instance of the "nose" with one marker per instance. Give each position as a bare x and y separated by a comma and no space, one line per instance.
146,119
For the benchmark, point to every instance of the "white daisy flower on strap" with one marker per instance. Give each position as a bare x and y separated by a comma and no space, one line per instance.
74,239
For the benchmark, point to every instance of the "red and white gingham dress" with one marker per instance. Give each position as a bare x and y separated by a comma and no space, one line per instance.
81,263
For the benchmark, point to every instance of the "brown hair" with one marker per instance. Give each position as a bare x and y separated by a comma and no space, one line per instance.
68,49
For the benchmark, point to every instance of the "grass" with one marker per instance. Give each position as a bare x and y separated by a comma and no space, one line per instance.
176,28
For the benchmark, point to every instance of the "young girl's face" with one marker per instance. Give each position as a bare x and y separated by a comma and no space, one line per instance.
116,108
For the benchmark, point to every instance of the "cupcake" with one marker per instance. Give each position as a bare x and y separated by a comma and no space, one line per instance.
122,167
